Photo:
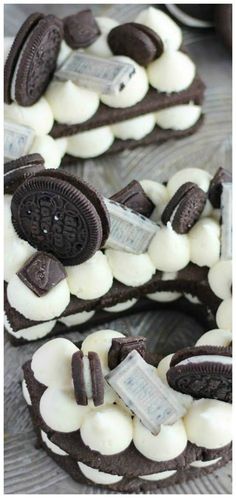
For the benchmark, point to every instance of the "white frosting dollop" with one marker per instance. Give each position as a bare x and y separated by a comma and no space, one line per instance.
164,296
76,318
108,430
179,117
158,194
163,25
16,250
170,442
130,269
60,411
121,306
168,250
91,279
208,423
204,242
100,47
90,143
70,103
97,476
162,369
25,392
159,475
62,145
64,52
51,363
224,315
43,308
220,279
100,342
135,128
52,446
215,337
31,333
171,72
49,150
134,91
196,175
38,116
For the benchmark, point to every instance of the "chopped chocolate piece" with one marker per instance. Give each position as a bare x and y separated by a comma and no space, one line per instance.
96,378
185,207
77,366
215,190
122,346
81,29
134,197
41,273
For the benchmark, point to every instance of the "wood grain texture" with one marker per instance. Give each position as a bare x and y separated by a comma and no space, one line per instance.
27,469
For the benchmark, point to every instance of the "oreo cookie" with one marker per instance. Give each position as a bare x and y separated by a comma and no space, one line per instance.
216,186
137,41
17,171
185,207
87,378
122,346
59,214
202,372
32,59
41,273
81,29
134,197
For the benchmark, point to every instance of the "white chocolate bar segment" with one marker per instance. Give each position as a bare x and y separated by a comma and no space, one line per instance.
138,385
130,231
17,140
226,227
104,76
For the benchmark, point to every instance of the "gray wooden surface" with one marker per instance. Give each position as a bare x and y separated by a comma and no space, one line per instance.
31,471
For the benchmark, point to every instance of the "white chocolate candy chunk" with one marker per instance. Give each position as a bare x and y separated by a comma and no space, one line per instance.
159,475
31,333
64,52
215,337
171,72
130,269
138,385
208,423
100,342
204,242
51,363
71,104
133,92
37,116
206,463
196,175
49,150
90,143
180,117
53,447
220,278
226,227
60,411
164,296
100,47
108,430
17,140
163,25
97,476
91,279
43,308
135,128
77,318
169,443
168,250
224,315
25,392
121,306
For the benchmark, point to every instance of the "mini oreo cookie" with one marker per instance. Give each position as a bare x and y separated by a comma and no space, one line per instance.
185,207
41,273
55,216
122,346
202,378
17,171
134,197
81,29
137,41
85,382
96,378
77,367
32,59
215,190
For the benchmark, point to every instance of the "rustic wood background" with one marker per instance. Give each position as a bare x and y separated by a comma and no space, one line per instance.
31,471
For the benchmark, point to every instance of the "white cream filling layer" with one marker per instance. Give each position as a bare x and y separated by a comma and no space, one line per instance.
97,476
53,447
159,475
207,463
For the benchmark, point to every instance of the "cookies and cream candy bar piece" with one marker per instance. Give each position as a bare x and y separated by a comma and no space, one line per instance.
129,231
139,386
226,227
95,73
17,140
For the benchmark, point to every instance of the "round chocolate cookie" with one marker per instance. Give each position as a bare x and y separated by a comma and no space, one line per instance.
56,217
81,29
17,171
32,59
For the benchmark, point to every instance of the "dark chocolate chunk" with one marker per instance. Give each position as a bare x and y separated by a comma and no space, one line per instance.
122,346
185,207
77,366
134,197
96,378
215,190
41,273
16,172
136,41
81,29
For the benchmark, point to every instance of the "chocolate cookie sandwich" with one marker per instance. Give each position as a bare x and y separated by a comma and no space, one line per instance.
74,259
114,87
107,415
